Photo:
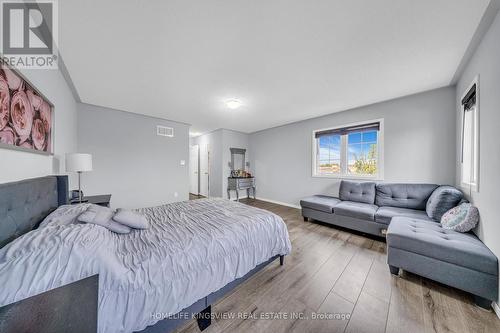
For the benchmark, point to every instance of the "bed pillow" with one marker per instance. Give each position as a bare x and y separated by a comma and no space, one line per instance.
131,219
118,228
64,215
102,216
462,218
442,200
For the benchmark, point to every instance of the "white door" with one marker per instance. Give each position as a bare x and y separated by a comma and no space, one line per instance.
194,169
204,170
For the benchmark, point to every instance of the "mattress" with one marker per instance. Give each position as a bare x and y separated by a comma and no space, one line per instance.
191,249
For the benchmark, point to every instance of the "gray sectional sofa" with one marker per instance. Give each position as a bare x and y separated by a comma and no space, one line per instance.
369,207
409,215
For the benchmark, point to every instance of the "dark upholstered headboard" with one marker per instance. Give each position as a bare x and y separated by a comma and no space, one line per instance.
24,204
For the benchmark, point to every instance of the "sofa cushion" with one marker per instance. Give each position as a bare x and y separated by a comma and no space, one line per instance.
431,240
442,200
356,209
322,203
357,191
413,196
385,214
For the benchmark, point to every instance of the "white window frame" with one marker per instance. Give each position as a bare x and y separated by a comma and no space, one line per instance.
473,186
344,159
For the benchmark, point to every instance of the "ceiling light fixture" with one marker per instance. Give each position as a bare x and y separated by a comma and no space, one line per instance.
233,103
194,134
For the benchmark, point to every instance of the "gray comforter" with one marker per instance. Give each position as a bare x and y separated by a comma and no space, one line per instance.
191,249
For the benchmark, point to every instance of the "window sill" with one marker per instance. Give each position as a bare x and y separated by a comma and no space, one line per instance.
349,177
466,188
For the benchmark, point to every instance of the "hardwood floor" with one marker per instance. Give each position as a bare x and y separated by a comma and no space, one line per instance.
338,272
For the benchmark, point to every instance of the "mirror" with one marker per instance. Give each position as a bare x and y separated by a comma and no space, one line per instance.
237,158
238,161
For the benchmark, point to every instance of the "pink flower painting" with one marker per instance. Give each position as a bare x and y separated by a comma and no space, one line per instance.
7,136
35,100
4,103
14,81
21,115
45,111
25,115
38,134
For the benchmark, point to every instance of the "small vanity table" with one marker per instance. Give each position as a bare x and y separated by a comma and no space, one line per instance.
240,183
240,179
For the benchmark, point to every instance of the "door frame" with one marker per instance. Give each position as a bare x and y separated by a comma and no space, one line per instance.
197,172
208,169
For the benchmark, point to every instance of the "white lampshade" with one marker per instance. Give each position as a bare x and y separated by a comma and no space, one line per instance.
78,162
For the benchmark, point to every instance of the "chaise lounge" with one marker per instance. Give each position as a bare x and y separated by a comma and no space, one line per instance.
453,258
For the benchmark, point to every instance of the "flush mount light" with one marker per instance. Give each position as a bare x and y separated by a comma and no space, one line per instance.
194,134
233,103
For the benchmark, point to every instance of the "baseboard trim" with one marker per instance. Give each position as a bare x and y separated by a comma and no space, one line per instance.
244,197
496,308
279,203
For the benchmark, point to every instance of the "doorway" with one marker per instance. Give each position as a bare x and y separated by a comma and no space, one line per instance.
204,163
199,178
194,170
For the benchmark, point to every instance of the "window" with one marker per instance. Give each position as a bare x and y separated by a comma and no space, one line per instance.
329,154
470,139
348,152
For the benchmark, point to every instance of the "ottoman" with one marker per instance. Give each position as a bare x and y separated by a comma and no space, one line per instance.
456,259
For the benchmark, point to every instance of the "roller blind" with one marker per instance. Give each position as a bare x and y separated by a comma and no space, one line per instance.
470,99
350,129
468,103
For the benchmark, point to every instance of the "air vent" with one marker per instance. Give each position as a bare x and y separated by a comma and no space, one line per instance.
165,131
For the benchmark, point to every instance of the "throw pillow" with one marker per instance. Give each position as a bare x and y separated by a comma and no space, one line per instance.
442,200
462,218
131,219
102,216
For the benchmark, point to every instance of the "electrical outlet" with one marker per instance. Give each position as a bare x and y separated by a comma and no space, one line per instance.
176,194
183,162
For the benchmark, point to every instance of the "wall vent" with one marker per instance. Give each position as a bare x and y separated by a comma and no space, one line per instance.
164,131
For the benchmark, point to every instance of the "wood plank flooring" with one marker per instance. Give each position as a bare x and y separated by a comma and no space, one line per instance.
344,274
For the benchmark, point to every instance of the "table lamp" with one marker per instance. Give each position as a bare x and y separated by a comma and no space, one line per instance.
77,162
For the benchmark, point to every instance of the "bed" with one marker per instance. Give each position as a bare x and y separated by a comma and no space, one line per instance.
150,280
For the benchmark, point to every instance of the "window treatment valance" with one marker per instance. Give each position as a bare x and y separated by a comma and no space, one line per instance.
350,129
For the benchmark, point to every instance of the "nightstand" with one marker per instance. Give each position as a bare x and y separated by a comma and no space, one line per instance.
101,200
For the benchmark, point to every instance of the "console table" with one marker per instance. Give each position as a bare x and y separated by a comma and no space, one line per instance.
239,183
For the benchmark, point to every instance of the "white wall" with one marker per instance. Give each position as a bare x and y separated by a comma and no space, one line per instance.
486,63
130,161
419,146
17,165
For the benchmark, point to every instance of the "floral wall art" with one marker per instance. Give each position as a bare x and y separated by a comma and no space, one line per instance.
25,116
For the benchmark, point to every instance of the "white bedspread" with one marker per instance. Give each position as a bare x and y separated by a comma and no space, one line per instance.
191,249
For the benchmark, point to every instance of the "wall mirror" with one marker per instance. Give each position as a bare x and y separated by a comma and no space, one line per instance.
237,158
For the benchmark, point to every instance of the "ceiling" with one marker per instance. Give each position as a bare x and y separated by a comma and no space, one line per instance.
286,60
